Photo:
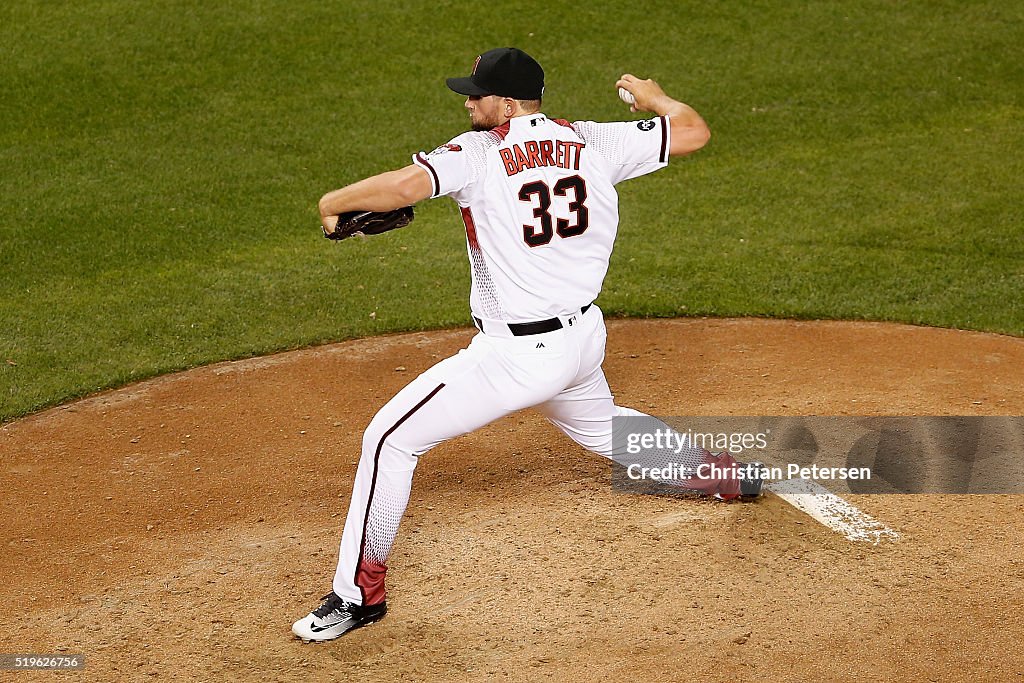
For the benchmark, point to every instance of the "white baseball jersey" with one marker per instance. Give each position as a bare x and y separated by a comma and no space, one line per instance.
539,204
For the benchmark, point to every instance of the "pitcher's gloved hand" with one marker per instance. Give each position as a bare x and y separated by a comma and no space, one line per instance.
369,223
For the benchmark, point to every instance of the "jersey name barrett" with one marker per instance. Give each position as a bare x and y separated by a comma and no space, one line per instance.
539,204
559,153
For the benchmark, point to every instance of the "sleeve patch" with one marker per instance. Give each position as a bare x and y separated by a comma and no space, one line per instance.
447,147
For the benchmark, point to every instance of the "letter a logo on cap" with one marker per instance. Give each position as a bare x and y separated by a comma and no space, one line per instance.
475,65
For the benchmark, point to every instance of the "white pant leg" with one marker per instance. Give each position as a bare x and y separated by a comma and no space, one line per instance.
584,409
585,413
487,380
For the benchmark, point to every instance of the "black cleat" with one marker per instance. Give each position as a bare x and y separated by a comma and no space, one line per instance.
750,480
335,617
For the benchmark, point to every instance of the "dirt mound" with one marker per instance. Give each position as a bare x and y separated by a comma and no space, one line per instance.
177,527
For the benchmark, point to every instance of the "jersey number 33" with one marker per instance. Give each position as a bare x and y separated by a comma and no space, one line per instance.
538,195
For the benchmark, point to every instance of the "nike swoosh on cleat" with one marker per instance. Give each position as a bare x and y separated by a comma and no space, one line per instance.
317,629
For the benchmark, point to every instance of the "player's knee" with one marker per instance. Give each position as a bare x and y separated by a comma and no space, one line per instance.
599,442
602,447
622,411
373,437
602,441
387,446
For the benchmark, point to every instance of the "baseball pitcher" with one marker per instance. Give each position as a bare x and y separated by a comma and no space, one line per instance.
538,202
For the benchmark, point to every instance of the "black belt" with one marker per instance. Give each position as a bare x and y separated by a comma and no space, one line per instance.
526,329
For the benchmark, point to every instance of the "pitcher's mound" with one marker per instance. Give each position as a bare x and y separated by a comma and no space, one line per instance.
175,528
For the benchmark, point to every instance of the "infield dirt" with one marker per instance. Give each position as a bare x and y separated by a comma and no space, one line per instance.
174,529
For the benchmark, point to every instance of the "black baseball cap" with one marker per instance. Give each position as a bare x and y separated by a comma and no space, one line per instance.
503,71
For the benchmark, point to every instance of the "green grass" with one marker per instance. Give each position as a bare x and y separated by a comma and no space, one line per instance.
162,162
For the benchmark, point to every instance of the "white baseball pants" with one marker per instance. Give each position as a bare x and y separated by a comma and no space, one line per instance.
558,372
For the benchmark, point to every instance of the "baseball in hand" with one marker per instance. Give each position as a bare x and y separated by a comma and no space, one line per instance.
626,96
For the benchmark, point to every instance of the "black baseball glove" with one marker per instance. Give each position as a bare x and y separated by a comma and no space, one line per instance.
369,223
